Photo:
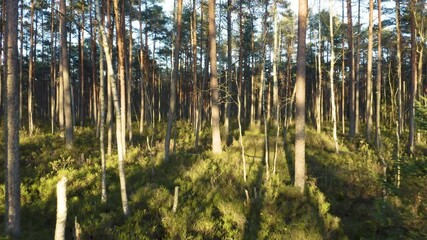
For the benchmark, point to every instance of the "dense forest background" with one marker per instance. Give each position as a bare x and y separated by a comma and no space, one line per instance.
218,119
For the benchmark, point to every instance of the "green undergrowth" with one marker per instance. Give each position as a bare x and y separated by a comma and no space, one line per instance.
343,198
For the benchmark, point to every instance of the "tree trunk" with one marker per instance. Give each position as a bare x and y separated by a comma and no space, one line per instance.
215,118
61,208
12,181
129,80
379,79
369,74
229,72
300,98
52,68
31,74
102,90
319,84
413,83
119,133
352,128
82,74
172,99
331,74
66,78
399,70
118,14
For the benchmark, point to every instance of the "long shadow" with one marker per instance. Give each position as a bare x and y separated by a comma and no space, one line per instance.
253,219
355,197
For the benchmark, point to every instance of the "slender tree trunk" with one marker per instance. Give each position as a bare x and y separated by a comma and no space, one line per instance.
141,72
112,79
12,181
172,99
399,70
352,128
129,81
263,98
215,118
300,97
82,74
320,83
52,67
31,73
413,83
379,79
369,74
102,90
331,74
196,87
229,72
21,60
358,74
276,106
118,14
109,93
66,78
342,77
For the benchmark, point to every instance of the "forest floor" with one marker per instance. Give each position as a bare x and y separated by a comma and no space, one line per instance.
348,194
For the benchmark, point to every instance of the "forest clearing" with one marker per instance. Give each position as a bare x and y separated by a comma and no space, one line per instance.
215,119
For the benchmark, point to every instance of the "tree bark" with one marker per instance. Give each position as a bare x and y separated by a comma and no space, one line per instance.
66,78
399,70
379,79
31,73
172,99
12,181
369,74
331,74
119,133
61,208
118,14
300,97
352,128
413,85
215,118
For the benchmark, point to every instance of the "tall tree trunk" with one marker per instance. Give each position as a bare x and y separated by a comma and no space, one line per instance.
276,106
331,74
399,69
352,128
118,14
357,66
109,91
66,78
320,83
413,85
82,74
52,67
102,90
215,118
196,84
342,77
369,74
172,99
31,73
229,72
119,133
12,181
300,97
141,72
379,79
129,80
21,60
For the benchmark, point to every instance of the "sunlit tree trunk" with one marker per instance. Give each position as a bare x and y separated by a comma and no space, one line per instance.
300,97
331,74
229,72
352,115
369,74
129,80
215,118
12,178
196,84
66,78
31,73
119,21
399,69
379,79
52,67
172,99
357,66
276,106
413,85
319,83
119,133
141,73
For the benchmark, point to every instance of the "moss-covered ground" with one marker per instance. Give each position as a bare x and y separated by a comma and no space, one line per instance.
348,194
